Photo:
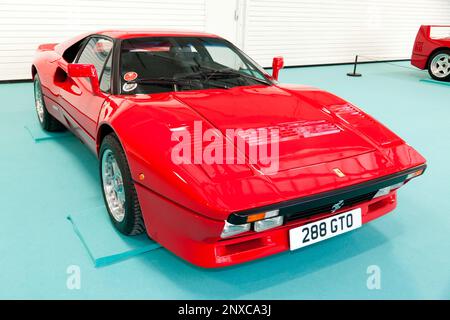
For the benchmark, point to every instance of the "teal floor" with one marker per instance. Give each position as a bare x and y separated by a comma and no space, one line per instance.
41,183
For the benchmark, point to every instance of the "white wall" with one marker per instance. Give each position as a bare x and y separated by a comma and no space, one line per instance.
221,19
24,24
333,31
303,31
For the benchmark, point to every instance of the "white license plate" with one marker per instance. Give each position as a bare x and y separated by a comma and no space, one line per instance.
324,229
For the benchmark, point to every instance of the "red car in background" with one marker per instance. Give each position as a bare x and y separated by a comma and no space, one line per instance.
431,51
133,97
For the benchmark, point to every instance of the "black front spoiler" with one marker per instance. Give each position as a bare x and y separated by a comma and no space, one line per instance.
321,201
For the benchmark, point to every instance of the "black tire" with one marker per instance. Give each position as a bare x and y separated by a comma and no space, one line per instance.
447,65
46,120
132,223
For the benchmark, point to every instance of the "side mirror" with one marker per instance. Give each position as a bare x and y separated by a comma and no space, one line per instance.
77,70
277,65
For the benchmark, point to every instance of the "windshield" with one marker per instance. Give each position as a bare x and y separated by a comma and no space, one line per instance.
164,64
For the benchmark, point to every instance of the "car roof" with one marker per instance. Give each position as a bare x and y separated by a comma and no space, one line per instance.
142,33
128,33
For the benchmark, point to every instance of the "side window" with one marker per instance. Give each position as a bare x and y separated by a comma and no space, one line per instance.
95,52
105,80
224,56
71,53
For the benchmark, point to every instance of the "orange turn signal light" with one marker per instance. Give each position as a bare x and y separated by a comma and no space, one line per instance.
262,215
415,174
256,217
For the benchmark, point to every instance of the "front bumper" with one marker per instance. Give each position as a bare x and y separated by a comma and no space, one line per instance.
254,246
196,238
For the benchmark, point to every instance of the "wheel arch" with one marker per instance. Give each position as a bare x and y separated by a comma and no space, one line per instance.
103,130
33,71
433,53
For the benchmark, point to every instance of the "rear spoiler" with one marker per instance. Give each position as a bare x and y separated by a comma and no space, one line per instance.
47,47
425,30
424,35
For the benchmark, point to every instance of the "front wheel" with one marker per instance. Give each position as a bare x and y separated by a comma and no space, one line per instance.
119,192
439,65
46,120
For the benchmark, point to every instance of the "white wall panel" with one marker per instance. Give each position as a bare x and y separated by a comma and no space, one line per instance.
24,24
333,31
303,31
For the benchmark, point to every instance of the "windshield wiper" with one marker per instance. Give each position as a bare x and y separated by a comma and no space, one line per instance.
229,72
172,81
161,80
204,75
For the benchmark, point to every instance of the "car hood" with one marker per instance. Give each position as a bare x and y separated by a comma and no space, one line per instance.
324,133
308,133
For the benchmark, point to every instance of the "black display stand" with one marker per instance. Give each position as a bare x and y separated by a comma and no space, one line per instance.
354,73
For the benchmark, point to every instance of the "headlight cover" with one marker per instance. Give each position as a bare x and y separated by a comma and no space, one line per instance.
266,224
234,229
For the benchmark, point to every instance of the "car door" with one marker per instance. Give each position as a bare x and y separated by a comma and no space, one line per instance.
80,102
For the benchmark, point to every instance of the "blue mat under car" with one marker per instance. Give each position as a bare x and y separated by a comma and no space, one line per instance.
103,242
39,135
442,83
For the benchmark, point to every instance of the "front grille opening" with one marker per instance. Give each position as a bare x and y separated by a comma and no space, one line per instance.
379,204
248,245
328,207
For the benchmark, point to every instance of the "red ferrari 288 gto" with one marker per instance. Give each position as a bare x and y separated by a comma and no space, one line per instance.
211,156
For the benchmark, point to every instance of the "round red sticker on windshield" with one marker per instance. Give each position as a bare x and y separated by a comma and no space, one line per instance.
130,76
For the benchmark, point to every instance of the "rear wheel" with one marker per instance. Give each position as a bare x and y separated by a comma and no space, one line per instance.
119,192
46,120
439,65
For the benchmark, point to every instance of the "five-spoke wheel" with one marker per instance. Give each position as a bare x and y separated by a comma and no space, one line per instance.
439,65
118,188
46,120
